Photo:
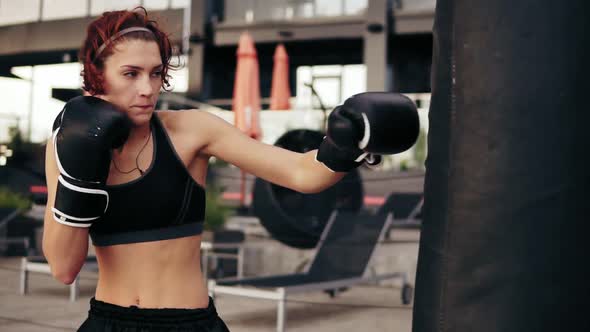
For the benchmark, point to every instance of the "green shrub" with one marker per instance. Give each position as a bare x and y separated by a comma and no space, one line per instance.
215,212
404,165
420,149
10,199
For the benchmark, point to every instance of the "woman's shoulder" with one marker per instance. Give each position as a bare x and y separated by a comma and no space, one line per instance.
186,120
179,120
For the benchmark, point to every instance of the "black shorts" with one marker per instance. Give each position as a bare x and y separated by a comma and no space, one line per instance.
104,316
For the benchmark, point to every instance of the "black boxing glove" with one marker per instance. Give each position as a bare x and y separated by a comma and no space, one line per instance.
344,155
84,133
366,126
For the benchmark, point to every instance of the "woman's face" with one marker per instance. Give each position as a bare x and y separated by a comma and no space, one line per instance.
133,78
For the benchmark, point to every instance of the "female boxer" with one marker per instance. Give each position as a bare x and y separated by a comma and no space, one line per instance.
134,179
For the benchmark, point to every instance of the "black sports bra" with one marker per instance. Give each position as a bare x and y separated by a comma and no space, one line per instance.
164,203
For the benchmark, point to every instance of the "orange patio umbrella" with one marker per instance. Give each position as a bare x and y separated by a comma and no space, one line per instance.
246,98
280,91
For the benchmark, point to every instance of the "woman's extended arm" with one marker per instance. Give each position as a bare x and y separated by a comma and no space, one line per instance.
298,171
366,124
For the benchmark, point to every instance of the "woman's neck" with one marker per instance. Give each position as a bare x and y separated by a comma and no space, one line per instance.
138,135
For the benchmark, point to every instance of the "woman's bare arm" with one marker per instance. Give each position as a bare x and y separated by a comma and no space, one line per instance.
298,171
64,247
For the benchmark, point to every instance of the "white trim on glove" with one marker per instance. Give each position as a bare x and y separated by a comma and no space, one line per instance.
367,134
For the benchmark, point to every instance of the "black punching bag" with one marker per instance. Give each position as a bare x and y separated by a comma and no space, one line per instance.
505,244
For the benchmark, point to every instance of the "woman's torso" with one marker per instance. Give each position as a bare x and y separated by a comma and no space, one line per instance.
163,273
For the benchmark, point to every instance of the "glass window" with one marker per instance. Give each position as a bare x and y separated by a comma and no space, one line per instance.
333,84
303,97
44,108
329,89
355,7
21,11
156,4
326,70
270,10
264,10
416,5
302,8
62,9
354,80
328,7
180,3
15,93
236,10
179,78
97,7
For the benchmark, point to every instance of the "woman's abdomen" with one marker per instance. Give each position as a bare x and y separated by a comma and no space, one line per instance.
160,274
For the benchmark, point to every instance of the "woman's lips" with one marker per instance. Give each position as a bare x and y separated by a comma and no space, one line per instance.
143,108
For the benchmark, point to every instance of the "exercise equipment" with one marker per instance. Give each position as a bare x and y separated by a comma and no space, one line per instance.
504,243
297,219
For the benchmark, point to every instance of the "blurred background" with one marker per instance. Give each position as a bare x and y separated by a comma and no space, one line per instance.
273,68
329,50
333,50
310,55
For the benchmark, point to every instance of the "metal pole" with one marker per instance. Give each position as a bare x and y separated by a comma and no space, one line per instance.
281,312
186,29
241,261
24,277
74,289
40,18
31,98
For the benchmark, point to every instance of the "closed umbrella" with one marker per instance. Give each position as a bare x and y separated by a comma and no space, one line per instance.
280,93
246,98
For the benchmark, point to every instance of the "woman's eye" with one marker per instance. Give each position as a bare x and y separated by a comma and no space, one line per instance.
130,74
157,74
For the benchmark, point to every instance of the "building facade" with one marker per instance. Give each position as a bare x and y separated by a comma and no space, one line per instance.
390,39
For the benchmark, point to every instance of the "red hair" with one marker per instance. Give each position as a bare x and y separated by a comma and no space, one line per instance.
104,28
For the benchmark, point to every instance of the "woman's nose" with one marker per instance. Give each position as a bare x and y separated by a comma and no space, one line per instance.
145,87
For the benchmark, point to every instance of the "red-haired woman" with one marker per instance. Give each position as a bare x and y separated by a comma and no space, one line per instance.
134,179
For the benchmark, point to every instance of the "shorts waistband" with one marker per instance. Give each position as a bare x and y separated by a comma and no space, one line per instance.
104,310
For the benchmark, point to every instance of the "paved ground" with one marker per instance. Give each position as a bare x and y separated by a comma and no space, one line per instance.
362,308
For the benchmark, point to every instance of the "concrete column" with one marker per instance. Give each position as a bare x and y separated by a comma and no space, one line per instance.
375,46
198,17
